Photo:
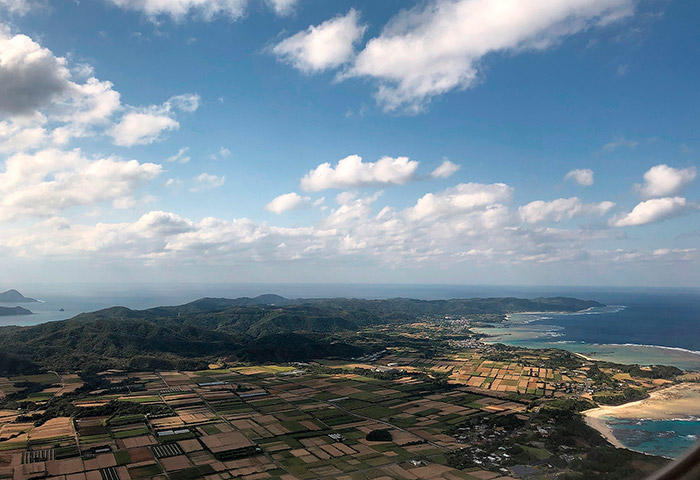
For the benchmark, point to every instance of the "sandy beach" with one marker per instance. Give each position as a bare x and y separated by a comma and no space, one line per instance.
677,401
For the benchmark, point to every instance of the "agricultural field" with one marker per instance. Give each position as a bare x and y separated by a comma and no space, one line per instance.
253,422
398,413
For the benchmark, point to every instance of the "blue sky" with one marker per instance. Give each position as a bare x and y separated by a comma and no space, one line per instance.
443,141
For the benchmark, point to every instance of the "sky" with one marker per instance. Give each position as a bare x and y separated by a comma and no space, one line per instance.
504,142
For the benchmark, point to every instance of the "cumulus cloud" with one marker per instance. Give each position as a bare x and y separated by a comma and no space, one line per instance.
36,88
51,181
323,46
46,103
663,181
434,48
18,135
561,209
445,170
652,211
94,102
143,126
287,202
179,9
207,181
352,172
582,176
462,198
469,223
463,225
31,77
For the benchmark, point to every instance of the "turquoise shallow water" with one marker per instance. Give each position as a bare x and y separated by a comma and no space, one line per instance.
668,438
663,330
645,329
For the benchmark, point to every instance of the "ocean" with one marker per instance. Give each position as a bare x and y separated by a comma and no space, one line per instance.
644,328
667,438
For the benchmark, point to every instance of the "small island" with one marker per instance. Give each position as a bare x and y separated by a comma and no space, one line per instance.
10,311
13,296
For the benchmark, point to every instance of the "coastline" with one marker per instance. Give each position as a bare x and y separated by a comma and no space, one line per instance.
599,424
676,402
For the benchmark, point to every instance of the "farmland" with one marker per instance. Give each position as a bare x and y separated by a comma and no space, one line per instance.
304,420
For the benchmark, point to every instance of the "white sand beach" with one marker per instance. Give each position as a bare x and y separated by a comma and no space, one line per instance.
677,401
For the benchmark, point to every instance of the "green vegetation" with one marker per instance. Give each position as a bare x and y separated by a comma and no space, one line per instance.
379,436
569,404
295,386
267,328
629,394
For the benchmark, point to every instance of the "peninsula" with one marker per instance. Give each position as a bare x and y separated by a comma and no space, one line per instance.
11,311
13,296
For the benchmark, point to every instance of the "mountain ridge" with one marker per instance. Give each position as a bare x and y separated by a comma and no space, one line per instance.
266,328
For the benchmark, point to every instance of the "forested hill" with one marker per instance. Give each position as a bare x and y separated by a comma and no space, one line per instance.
266,328
493,305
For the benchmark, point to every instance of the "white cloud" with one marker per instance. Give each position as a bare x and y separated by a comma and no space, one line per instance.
432,49
353,229
34,80
352,172
345,197
663,181
582,176
31,77
287,202
282,7
173,183
18,7
466,224
45,106
207,181
181,156
462,198
18,135
146,125
141,128
445,170
94,102
188,102
561,209
51,181
323,46
221,154
620,142
652,211
179,9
